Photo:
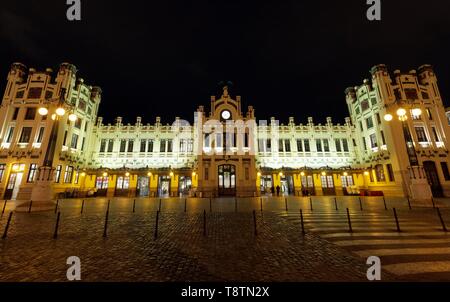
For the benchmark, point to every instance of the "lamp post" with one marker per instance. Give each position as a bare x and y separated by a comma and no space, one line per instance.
42,194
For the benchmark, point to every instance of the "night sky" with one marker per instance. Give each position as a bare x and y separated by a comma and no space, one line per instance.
286,58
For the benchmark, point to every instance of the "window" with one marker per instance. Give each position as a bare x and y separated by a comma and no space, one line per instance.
162,144
299,145
428,111
378,118
19,94
77,123
110,145
390,172
383,140
25,135
101,182
15,113
280,145
306,145
319,145
268,145
86,126
337,142
206,173
2,171
123,144
123,182
411,94
365,105
130,145
150,145
379,172
58,173
68,174
34,93
32,173
77,177
347,181
327,181
169,145
48,94
369,122
143,145
421,136
30,113
445,171
65,138
82,144
373,140
436,136
364,144
74,142
361,126
326,146
10,135
102,145
40,135
287,145
345,145
82,105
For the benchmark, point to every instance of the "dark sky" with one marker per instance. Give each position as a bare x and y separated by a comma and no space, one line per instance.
286,58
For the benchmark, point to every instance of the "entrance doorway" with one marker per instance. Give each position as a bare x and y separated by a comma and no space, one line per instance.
164,186
101,184
142,189
227,180
266,184
433,178
12,189
184,185
286,184
327,185
307,185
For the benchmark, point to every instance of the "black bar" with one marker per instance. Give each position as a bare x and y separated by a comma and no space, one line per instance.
185,204
134,205
106,221
360,204
4,207
55,234
350,229
285,201
156,224
29,209
254,222
260,199
444,228
204,222
335,204
82,207
5,233
301,221
310,204
396,220
409,203
56,207
385,205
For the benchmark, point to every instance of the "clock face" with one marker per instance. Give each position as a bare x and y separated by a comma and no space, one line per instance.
226,114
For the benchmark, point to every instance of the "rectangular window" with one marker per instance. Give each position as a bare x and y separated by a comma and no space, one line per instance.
110,145
190,145
68,174
429,115
390,172
74,141
2,171
123,145
34,92
299,145
369,122
280,145
373,141
101,182
30,113
327,181
77,177
15,113
326,145
58,173
82,143
10,135
86,126
287,145
347,181
436,136
337,143
40,135
25,135
78,123
130,145
345,145
319,145
421,136
306,145
364,144
169,145
65,138
123,182
102,145
379,172
361,126
32,173
150,145
378,118
383,140
143,145
82,105
445,171
268,145
162,144
206,173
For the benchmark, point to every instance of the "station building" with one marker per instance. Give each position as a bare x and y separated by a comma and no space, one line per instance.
394,143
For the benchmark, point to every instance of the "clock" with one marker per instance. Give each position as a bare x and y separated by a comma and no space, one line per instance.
225,114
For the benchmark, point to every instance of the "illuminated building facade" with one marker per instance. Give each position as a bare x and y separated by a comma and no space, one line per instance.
394,143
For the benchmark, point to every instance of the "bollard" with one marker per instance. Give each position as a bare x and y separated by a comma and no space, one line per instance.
210,205
432,200
105,229
156,224
29,209
56,207
385,205
260,199
159,207
409,202
235,204
335,203
350,229
204,222
134,205
55,234
5,233
310,204
360,204
108,205
444,228
82,207
254,221
185,203
301,222
285,202
4,207
396,220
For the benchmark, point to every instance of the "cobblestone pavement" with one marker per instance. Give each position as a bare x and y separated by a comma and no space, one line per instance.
230,251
